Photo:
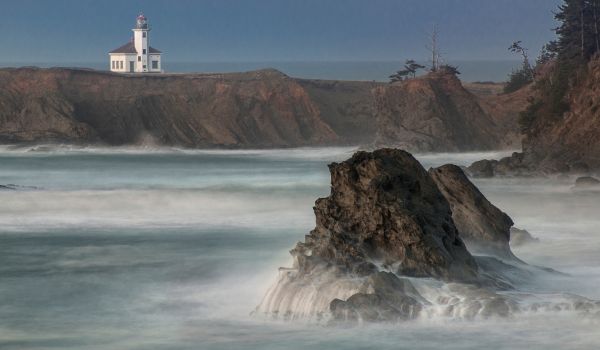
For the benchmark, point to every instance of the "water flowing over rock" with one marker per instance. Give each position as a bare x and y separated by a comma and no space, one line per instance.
387,247
384,213
484,228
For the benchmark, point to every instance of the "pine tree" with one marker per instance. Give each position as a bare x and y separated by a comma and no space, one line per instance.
579,30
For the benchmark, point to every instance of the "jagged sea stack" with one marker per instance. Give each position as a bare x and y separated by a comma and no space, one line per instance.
384,218
483,227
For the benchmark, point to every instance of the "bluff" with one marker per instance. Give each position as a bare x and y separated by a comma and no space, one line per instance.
436,113
254,109
567,143
260,109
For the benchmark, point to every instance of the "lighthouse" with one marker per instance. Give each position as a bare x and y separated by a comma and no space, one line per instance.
137,56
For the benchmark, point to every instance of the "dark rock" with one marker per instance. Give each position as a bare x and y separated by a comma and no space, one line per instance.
586,183
13,187
515,165
383,297
482,168
385,208
484,228
384,219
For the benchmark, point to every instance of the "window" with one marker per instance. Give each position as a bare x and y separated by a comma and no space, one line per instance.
121,65
143,34
113,64
144,66
154,64
139,58
144,51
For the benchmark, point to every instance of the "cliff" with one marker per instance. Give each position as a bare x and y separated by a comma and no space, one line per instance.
436,113
568,143
255,109
346,106
260,109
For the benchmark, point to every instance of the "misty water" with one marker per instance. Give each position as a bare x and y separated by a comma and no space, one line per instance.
173,249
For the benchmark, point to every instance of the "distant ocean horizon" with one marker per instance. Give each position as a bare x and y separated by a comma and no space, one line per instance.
471,71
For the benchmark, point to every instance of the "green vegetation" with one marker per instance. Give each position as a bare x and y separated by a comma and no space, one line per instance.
578,41
410,69
522,76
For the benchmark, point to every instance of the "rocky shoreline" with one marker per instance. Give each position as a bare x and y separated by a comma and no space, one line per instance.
389,227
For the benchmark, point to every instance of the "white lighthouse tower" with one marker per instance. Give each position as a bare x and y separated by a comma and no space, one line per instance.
137,56
140,38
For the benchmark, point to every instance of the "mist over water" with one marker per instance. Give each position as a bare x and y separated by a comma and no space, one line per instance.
129,248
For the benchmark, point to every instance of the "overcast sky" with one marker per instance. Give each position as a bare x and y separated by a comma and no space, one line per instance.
273,30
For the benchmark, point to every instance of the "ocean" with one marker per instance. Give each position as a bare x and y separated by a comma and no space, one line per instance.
141,248
471,71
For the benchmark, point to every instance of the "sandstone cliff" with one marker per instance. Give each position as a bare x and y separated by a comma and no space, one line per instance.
569,143
436,113
255,109
346,106
260,109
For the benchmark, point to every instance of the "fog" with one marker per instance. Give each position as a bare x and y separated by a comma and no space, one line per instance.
142,248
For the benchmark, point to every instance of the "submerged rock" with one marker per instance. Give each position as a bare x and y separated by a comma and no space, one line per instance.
586,183
383,297
484,228
519,237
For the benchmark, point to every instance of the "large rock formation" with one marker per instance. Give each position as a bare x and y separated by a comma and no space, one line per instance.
484,228
385,217
385,209
346,106
569,143
258,109
436,113
255,109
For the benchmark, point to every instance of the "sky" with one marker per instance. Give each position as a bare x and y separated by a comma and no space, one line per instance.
273,30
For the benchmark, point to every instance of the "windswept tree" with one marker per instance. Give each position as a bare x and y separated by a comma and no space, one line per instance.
578,41
413,67
449,69
410,70
399,75
522,76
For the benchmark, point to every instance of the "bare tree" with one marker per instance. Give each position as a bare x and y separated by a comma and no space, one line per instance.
434,49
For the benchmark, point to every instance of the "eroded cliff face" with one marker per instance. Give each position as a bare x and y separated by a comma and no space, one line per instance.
571,144
261,109
347,107
436,113
255,109
566,144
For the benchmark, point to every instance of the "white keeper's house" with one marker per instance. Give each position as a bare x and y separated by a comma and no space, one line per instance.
137,56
